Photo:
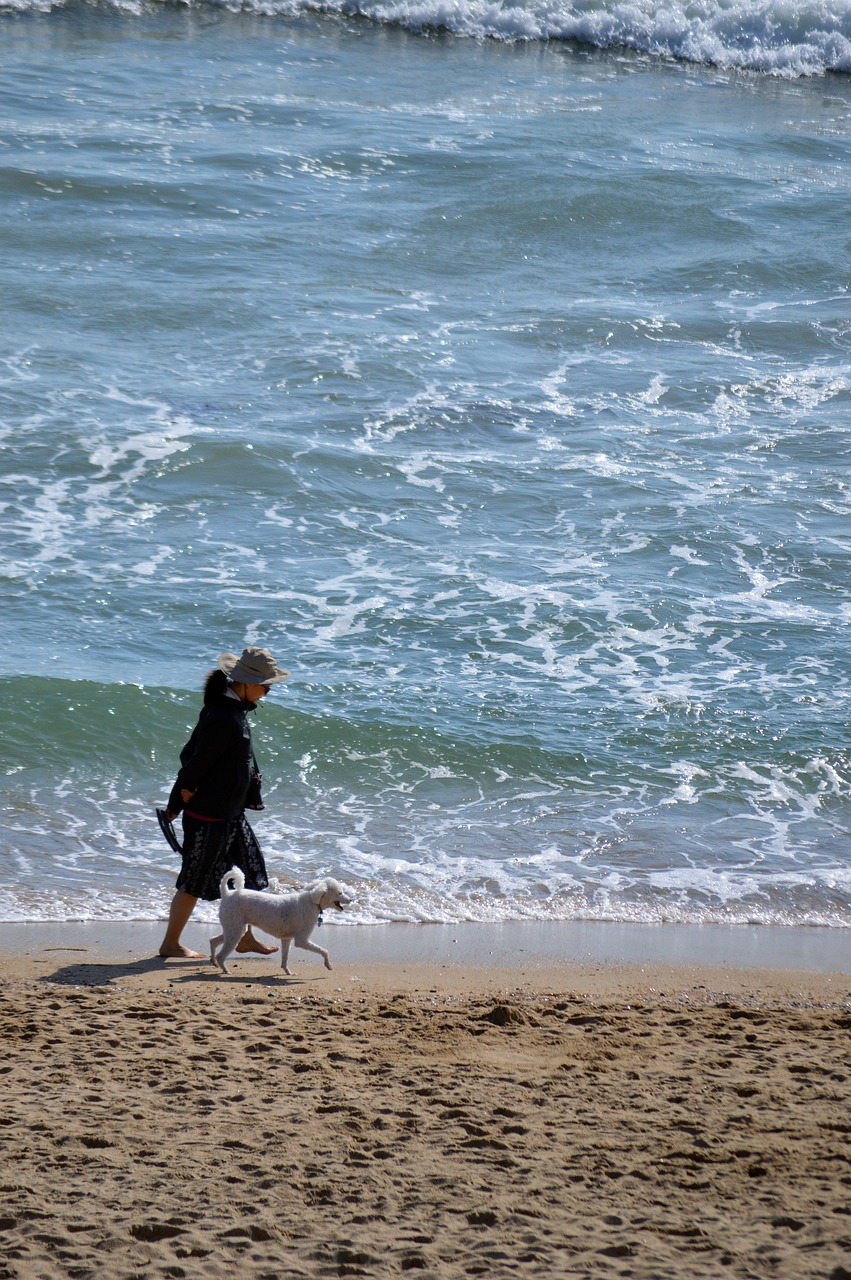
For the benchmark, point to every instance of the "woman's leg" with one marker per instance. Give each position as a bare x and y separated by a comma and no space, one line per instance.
246,854
248,942
182,906
189,888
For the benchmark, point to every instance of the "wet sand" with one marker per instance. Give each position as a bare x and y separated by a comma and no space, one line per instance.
515,1105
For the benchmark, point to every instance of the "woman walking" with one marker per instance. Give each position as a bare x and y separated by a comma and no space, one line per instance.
213,788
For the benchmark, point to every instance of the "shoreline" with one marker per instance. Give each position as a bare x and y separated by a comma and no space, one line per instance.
596,959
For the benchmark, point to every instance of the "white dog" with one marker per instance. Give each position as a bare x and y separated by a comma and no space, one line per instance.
291,917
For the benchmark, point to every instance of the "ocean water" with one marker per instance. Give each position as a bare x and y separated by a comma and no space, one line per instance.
490,364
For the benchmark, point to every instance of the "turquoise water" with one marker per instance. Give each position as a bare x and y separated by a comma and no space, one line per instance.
499,386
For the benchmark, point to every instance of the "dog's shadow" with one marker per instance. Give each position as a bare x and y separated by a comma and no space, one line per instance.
101,975
249,979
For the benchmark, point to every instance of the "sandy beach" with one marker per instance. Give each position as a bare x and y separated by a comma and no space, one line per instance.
598,1111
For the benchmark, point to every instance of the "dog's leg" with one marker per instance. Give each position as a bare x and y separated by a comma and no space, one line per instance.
214,942
285,955
231,938
311,946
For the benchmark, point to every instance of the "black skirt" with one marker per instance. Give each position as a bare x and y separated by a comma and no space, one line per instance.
212,848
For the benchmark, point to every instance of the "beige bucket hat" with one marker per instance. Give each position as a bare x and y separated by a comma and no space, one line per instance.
254,666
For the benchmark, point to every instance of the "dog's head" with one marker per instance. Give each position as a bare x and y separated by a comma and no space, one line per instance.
327,894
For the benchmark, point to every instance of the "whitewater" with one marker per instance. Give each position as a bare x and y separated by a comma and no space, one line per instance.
488,364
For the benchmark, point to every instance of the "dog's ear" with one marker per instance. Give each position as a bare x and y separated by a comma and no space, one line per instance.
317,891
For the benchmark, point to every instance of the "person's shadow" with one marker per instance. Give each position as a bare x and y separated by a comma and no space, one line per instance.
101,975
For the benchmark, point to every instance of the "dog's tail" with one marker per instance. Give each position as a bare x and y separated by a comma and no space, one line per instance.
225,886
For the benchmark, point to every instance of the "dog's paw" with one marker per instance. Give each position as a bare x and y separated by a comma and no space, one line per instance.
328,964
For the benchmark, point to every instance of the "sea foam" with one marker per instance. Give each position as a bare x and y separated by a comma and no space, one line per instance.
769,36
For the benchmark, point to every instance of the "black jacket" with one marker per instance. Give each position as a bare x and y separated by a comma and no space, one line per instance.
216,763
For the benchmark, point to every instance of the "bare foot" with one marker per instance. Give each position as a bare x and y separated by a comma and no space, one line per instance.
248,942
180,952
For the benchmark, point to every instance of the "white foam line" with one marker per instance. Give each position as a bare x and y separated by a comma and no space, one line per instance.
150,446
347,619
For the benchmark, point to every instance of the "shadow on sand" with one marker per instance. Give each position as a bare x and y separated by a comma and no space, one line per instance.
180,971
